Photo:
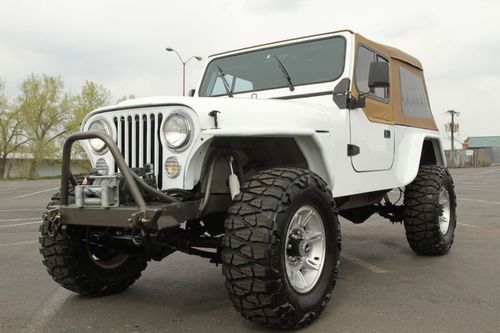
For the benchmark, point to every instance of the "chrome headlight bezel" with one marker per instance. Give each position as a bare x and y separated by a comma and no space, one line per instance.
97,145
188,129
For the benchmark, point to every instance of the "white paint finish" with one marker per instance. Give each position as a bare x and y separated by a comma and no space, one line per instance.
375,151
321,131
409,142
326,152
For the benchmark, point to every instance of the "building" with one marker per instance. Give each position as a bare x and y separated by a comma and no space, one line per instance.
478,142
478,151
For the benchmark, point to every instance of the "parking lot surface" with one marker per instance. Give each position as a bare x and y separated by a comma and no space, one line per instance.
383,286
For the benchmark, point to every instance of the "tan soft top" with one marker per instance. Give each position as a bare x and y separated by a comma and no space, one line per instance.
391,51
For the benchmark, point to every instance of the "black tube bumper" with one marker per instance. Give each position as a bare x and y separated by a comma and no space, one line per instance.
152,217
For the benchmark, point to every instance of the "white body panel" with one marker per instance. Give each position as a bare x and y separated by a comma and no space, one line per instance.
320,129
376,151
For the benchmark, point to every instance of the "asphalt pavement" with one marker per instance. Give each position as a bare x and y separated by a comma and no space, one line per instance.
383,286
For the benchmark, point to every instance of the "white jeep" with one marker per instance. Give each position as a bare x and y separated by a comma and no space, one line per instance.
252,170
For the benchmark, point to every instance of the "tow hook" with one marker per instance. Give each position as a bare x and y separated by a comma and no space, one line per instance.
234,183
53,217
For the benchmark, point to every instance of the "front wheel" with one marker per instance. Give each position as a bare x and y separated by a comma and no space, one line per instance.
430,211
85,268
281,248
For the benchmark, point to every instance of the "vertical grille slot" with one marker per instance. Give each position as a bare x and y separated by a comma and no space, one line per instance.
130,147
144,134
138,138
158,170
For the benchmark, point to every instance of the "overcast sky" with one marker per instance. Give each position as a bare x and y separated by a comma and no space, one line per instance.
120,44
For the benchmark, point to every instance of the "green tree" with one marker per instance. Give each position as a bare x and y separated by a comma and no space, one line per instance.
11,135
91,97
47,112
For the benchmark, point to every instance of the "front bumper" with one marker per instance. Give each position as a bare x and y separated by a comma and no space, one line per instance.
156,216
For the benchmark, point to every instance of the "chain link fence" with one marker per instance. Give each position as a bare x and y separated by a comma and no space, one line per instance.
468,158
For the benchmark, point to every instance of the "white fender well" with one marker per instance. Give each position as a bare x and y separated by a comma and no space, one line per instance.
303,149
411,146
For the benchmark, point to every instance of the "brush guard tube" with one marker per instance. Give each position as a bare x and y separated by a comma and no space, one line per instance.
155,217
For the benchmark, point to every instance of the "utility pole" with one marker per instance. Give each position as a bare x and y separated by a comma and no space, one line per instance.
169,49
453,113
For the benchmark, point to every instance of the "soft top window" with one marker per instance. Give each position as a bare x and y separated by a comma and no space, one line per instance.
306,62
365,57
414,102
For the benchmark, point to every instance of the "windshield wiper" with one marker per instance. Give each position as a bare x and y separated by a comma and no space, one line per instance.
283,70
225,84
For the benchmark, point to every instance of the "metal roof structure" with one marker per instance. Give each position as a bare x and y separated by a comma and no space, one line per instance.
483,141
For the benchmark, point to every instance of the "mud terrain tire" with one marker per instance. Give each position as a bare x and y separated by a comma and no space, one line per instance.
69,261
254,255
425,214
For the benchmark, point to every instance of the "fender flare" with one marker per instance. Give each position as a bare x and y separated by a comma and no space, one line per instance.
312,145
409,155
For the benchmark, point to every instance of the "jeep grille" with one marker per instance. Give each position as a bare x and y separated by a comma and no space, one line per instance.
138,138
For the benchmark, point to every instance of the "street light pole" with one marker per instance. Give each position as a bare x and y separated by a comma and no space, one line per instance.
169,49
452,129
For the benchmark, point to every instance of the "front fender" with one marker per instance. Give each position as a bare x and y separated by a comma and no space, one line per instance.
312,145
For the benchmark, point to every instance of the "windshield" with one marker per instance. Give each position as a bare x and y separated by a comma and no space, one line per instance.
306,63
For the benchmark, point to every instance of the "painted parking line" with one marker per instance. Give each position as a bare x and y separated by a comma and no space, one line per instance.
468,225
364,264
35,193
21,210
480,201
19,243
50,308
22,219
20,224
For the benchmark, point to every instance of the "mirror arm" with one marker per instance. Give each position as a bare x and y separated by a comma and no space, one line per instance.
356,103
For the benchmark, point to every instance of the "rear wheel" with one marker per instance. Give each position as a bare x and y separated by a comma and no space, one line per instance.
430,211
281,248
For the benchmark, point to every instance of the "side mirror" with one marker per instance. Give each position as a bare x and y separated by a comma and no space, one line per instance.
191,92
379,75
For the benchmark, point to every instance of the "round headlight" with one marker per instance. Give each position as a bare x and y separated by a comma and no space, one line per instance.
177,131
98,145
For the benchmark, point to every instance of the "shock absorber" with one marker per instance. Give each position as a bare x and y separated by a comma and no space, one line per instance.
234,183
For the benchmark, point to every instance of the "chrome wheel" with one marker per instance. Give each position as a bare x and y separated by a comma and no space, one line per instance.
305,249
444,203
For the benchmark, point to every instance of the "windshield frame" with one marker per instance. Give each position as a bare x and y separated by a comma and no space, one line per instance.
270,47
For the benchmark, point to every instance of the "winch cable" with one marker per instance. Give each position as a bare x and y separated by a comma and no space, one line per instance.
150,189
